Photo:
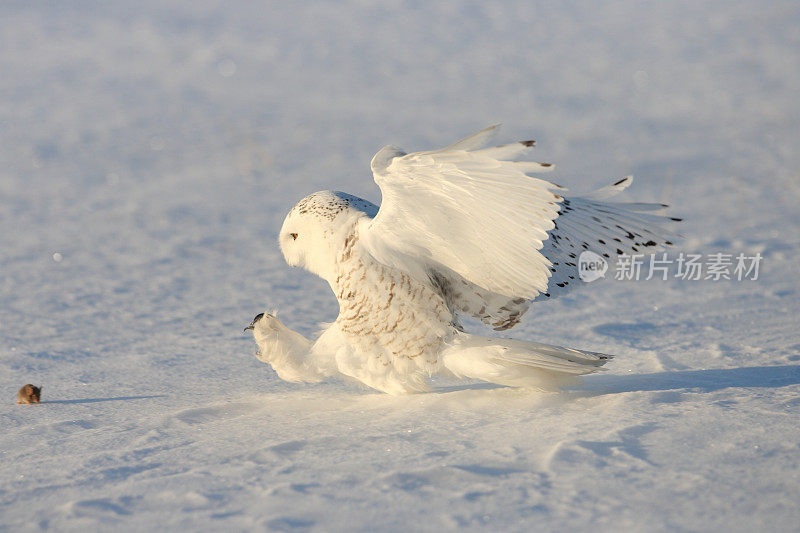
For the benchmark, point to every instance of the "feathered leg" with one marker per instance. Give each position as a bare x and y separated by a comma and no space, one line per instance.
284,349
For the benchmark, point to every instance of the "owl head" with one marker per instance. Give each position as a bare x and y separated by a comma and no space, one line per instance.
315,230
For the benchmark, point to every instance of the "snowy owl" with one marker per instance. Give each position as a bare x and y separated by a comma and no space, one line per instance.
461,230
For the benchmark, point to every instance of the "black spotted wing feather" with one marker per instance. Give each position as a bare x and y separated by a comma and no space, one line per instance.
607,229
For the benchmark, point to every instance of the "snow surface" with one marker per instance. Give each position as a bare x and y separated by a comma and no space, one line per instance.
149,152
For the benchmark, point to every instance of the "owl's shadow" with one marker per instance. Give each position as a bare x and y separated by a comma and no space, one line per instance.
692,380
689,380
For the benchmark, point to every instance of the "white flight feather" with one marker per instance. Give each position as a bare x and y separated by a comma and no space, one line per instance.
481,217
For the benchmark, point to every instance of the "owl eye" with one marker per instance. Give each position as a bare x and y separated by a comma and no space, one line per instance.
293,236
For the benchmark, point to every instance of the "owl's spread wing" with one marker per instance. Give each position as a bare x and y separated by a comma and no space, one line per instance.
476,218
464,208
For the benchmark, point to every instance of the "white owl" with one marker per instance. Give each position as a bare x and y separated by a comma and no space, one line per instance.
463,229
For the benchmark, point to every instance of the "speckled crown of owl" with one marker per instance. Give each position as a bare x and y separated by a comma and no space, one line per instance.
316,229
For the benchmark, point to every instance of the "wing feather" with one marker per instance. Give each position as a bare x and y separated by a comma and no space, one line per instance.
481,217
474,141
508,152
472,218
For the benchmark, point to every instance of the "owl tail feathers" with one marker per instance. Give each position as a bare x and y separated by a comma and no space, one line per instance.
519,363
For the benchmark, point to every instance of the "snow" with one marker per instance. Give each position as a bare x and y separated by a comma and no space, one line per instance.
149,152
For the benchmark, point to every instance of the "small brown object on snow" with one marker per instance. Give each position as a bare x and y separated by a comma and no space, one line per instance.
29,394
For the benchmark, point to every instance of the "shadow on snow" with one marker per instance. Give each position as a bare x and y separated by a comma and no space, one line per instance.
697,380
117,399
